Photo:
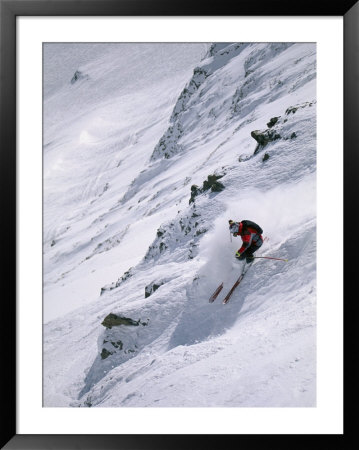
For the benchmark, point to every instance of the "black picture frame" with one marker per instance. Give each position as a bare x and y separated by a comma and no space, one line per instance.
9,10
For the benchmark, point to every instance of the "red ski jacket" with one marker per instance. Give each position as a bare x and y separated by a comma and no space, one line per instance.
249,236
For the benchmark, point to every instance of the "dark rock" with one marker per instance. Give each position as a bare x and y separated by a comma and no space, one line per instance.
116,284
195,190
152,287
78,76
118,344
264,137
202,231
105,353
272,122
292,109
217,187
112,320
213,184
160,233
265,157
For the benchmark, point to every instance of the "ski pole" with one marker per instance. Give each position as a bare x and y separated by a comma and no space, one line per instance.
270,257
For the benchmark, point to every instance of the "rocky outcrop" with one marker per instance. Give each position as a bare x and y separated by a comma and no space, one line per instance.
211,184
264,137
119,342
272,122
168,144
152,287
117,283
217,57
199,76
294,109
278,128
243,103
180,236
113,320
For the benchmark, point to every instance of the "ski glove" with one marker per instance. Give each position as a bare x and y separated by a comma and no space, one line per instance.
238,255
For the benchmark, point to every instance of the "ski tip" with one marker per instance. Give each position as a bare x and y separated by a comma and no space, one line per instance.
216,293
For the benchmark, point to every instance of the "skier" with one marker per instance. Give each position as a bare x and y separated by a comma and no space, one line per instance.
251,235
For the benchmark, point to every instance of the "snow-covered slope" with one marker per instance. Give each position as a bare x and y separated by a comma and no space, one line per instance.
149,149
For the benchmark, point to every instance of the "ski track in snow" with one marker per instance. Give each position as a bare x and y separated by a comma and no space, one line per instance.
122,148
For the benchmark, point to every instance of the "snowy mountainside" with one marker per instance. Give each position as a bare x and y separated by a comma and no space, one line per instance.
138,189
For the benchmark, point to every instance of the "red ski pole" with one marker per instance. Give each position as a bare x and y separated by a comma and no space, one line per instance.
270,257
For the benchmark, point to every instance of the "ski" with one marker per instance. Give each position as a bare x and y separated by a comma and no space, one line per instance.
213,297
240,278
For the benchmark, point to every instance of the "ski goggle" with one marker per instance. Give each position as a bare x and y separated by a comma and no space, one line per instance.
234,227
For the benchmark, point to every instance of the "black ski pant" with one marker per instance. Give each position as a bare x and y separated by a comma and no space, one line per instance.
251,249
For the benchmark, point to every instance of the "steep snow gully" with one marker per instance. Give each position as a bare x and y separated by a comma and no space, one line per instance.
138,189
